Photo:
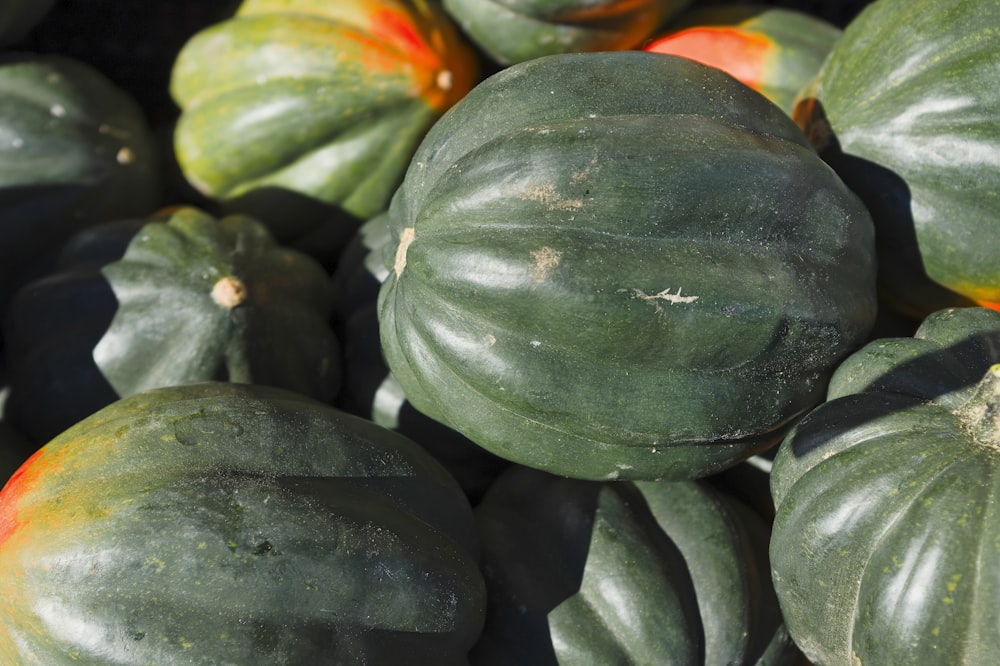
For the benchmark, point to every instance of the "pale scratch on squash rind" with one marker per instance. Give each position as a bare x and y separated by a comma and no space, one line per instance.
663,296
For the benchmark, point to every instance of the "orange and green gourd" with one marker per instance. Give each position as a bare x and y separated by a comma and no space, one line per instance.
323,99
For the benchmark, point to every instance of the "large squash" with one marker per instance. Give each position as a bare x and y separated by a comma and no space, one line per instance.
907,109
608,283
75,150
234,524
884,546
174,298
325,100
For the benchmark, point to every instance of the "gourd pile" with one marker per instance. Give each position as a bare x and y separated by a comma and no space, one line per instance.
500,332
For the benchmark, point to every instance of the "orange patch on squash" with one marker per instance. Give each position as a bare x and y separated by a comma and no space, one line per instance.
21,481
992,305
740,54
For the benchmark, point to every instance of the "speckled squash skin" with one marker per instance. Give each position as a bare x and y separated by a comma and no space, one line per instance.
884,544
512,31
907,110
234,524
604,283
323,99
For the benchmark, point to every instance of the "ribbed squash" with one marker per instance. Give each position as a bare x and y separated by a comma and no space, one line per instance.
884,546
233,524
774,50
607,283
512,31
907,109
75,150
175,298
326,100
585,572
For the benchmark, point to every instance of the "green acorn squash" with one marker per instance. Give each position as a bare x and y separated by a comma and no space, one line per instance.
907,110
224,523
325,100
606,283
775,50
884,545
512,31
75,150
588,572
175,298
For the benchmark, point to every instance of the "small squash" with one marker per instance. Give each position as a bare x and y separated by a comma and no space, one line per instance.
606,283
907,110
230,523
324,100
884,545
175,298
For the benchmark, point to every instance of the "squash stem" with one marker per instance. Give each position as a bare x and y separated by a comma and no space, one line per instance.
981,413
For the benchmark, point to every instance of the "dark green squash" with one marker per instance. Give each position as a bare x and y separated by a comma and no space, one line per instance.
512,31
907,109
175,298
75,150
588,572
884,546
224,523
316,101
603,281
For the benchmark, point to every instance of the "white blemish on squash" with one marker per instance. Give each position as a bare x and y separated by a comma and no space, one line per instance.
544,260
663,296
549,196
404,243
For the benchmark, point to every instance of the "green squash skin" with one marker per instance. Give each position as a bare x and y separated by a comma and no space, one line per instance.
312,99
566,281
234,524
584,572
513,31
905,108
75,151
886,532
369,390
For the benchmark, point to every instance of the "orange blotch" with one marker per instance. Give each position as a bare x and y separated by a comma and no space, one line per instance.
740,54
992,305
23,480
